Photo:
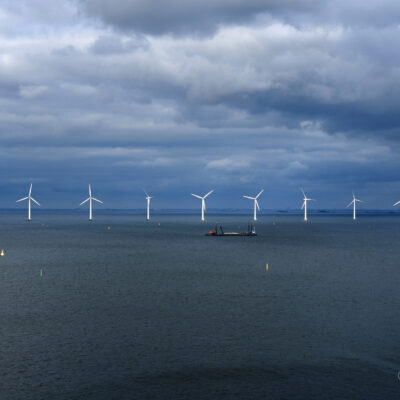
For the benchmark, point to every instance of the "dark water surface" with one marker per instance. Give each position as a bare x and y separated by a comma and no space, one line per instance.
141,311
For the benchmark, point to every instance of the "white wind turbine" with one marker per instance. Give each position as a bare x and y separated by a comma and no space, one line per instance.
148,205
29,198
354,201
305,204
90,198
256,206
203,202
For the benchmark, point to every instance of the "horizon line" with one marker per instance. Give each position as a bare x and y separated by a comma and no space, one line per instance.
277,210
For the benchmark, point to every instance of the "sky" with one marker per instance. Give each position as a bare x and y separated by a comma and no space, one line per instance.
181,97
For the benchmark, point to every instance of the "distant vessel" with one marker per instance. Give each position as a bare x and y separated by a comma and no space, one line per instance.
251,231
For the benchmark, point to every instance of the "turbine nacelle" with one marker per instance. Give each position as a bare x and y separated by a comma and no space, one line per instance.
305,198
202,197
147,196
355,200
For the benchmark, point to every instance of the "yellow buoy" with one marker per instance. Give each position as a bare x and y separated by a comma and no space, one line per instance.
266,267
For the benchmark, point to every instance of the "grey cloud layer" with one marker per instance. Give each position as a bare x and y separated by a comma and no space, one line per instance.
266,96
275,72
180,16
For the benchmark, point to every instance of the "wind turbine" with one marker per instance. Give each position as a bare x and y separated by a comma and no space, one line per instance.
256,206
305,204
203,202
90,198
29,198
354,201
148,205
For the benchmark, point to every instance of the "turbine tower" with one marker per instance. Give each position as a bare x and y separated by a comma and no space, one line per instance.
203,202
148,205
256,206
354,201
90,198
29,198
305,204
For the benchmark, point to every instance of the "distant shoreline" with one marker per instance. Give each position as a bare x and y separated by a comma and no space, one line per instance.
196,211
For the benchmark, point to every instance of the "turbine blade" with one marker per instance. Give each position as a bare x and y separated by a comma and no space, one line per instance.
208,194
258,207
248,197
304,203
145,193
25,198
350,204
302,191
259,194
83,202
90,191
395,204
195,195
30,190
99,201
35,201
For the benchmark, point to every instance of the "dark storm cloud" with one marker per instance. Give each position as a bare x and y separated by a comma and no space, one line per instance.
181,16
270,94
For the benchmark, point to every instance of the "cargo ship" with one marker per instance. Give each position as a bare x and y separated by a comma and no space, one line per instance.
251,231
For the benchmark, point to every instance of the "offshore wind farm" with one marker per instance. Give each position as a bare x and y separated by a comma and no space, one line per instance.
112,264
199,200
256,206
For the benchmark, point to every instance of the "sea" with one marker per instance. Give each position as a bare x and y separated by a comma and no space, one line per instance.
122,308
